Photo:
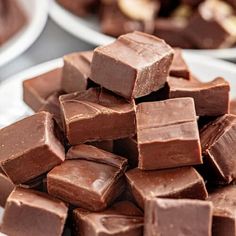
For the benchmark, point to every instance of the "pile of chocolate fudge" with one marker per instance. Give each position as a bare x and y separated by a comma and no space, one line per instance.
196,24
12,19
125,141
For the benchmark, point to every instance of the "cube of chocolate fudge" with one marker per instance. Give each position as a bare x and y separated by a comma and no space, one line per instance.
96,115
167,134
29,212
135,65
30,148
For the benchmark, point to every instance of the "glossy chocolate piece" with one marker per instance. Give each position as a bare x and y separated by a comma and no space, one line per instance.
90,178
12,19
115,23
127,148
179,68
143,71
122,219
6,187
171,217
38,89
76,71
224,216
52,105
96,115
79,7
212,26
210,99
218,147
172,30
30,148
232,107
29,212
167,134
184,182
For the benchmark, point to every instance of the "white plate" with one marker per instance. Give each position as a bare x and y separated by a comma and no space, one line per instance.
87,29
37,13
13,108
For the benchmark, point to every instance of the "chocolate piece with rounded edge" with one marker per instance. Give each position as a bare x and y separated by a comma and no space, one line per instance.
218,148
224,216
76,71
179,68
210,99
30,148
167,134
36,90
121,219
171,217
96,115
90,178
143,71
6,187
39,213
184,182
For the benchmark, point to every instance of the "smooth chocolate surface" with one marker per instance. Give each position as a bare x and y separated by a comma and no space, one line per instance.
167,134
171,217
12,19
36,90
121,219
141,63
179,68
218,147
210,99
6,187
127,148
224,216
76,71
96,115
212,26
29,212
90,178
30,148
182,182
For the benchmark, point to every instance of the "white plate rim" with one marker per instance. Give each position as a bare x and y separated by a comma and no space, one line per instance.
28,35
65,19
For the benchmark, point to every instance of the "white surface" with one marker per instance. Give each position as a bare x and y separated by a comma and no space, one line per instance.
11,90
37,13
87,29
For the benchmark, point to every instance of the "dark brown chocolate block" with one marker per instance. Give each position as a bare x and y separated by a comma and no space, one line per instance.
127,148
96,115
184,182
76,71
167,134
210,99
6,187
106,145
30,148
232,107
179,68
212,26
172,31
38,89
224,216
29,212
91,178
140,61
122,219
115,23
171,217
218,146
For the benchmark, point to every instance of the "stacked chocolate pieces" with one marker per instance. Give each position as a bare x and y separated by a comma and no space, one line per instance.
116,147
